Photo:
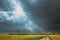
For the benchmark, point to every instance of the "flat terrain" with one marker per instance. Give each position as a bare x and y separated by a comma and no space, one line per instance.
28,37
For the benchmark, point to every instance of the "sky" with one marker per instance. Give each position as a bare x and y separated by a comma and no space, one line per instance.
30,16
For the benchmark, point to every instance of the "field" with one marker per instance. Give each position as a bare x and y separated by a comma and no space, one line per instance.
28,37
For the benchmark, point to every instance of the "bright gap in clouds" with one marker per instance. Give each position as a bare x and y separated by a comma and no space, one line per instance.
18,11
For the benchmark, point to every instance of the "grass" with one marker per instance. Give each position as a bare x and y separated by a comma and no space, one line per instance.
28,37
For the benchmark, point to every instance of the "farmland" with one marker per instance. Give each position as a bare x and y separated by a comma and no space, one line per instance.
27,37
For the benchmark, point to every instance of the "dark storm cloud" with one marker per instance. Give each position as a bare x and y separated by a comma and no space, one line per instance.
44,13
47,14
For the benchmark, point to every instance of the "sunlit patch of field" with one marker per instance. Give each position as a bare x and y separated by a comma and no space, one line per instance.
54,37
28,37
